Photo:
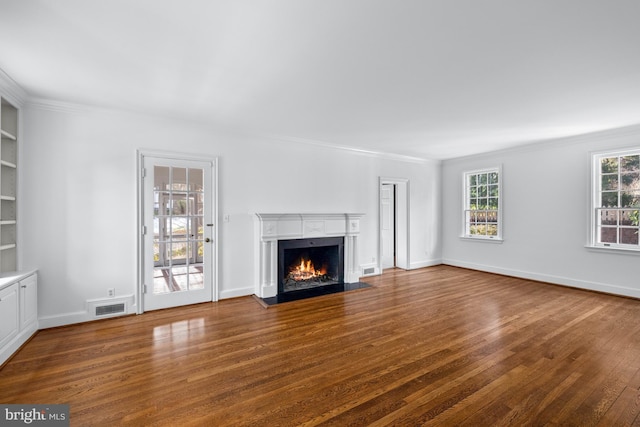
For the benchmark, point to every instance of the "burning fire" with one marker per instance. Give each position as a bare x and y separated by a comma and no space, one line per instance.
305,271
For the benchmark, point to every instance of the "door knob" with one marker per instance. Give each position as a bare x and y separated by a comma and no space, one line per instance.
207,240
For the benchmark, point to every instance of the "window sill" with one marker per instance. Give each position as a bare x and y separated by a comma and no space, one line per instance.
482,239
613,250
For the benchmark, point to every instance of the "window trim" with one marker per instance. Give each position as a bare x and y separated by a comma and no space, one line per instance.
596,157
475,237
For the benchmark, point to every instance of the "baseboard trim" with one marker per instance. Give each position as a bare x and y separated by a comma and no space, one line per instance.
548,278
17,342
425,263
65,319
235,293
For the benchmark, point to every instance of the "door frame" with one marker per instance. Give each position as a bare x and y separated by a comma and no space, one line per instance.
402,227
140,212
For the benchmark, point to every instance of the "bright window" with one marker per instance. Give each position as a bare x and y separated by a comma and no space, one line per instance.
482,204
616,199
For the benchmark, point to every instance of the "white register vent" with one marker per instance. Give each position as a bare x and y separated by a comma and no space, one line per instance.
108,307
106,310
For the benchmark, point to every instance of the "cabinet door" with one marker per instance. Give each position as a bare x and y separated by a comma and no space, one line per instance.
8,314
28,301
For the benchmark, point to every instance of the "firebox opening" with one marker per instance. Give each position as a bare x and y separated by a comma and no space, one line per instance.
309,263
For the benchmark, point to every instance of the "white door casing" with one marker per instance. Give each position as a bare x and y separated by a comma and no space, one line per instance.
178,244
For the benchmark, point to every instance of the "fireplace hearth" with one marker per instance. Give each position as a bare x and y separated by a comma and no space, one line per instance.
310,263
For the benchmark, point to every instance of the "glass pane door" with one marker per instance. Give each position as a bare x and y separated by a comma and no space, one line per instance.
178,238
181,233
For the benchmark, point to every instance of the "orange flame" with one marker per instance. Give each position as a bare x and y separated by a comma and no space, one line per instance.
306,271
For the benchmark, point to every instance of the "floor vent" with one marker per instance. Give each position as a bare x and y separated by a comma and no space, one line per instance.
369,270
109,310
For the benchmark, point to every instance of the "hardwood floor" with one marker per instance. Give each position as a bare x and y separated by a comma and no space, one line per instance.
436,346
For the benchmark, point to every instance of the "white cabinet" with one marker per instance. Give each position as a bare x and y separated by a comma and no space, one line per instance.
18,311
8,314
8,184
28,301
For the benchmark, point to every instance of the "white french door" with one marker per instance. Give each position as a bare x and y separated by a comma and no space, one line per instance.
178,232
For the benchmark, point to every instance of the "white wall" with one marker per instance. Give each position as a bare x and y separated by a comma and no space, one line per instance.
546,213
78,201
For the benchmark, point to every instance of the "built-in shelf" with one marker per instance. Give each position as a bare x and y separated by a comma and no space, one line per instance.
9,125
7,164
8,135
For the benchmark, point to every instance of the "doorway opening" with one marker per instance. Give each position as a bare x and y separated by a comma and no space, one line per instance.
393,240
388,225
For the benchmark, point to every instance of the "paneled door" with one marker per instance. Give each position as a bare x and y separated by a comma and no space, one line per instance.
178,232
388,225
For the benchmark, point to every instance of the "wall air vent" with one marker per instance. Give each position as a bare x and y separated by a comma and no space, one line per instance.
110,310
369,270
102,308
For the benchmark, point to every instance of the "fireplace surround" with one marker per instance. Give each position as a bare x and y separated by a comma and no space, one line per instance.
310,263
274,228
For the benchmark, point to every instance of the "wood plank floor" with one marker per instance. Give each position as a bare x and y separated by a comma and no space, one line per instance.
436,346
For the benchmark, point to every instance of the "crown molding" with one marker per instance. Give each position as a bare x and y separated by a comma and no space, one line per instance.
16,94
68,107
362,151
11,90
605,134
62,106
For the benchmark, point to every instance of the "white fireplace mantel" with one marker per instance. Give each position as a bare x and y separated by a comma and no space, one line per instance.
272,227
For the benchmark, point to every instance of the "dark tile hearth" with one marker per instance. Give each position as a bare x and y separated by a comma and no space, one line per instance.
313,292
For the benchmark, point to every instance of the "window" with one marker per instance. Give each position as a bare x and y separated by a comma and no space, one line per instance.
482,204
616,199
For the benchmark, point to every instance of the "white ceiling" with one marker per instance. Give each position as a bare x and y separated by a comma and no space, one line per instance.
425,78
